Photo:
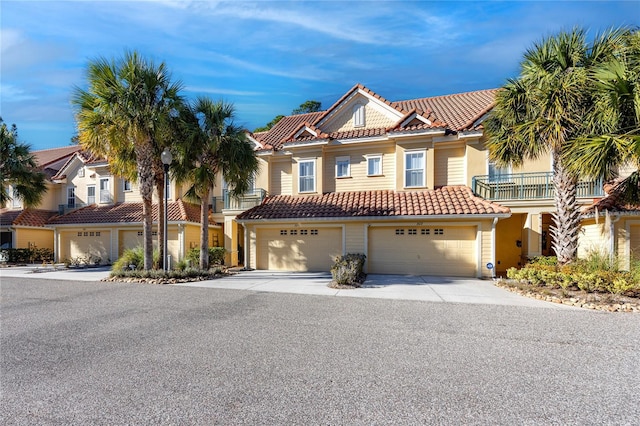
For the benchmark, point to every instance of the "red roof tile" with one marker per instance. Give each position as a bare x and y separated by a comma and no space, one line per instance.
46,157
458,111
127,213
274,138
448,200
611,203
26,217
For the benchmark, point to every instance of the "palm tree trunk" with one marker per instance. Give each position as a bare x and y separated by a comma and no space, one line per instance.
567,214
204,230
144,157
161,230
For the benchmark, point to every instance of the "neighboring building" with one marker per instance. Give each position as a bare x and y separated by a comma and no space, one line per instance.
408,183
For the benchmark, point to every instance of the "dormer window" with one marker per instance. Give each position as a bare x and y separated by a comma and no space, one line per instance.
358,115
81,172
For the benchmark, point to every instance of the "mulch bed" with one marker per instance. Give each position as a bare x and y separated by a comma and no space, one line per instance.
599,301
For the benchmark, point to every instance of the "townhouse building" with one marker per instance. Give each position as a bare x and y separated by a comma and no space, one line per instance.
408,183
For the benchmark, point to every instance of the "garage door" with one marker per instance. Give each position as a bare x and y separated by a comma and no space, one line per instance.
299,249
86,243
423,250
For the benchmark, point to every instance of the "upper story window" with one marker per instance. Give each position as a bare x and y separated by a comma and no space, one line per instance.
498,174
358,115
307,173
105,193
15,199
374,165
71,197
81,172
126,185
414,168
91,194
343,167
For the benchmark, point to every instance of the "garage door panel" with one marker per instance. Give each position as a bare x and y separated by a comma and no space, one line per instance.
300,250
86,243
423,250
634,241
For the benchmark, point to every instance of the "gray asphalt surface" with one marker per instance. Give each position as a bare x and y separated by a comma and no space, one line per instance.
109,353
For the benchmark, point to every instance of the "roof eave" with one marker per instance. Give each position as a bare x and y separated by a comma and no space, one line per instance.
379,218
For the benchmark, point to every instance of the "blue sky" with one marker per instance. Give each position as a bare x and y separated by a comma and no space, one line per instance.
268,57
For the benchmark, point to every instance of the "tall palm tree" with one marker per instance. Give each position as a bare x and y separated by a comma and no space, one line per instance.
215,145
18,168
615,120
127,104
543,111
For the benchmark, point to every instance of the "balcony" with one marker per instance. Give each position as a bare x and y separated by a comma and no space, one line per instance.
528,186
246,201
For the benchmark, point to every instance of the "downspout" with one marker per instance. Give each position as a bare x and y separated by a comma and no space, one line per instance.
612,240
247,261
493,246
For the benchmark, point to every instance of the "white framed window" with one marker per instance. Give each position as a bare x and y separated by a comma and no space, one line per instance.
414,168
126,185
71,197
343,167
105,194
15,199
498,174
374,165
91,194
81,172
358,115
307,173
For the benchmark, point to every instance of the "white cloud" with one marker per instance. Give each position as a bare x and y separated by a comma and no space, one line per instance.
219,91
12,93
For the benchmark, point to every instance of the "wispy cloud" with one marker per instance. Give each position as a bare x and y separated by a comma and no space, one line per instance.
221,91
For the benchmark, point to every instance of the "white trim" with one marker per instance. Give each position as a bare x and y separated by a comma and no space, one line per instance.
306,143
315,175
359,115
343,158
305,129
372,99
371,157
422,151
417,117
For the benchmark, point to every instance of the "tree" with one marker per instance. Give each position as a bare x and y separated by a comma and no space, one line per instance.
543,111
307,107
18,169
304,108
215,145
127,105
615,121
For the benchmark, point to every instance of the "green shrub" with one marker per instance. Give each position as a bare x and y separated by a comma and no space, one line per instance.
134,256
544,260
159,274
216,256
349,269
27,255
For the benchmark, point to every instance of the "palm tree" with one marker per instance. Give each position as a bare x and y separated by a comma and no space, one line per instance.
215,145
615,121
543,111
18,168
126,106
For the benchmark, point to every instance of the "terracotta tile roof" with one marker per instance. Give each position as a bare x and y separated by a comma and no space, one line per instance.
45,157
274,138
611,203
458,111
448,200
26,217
127,213
85,156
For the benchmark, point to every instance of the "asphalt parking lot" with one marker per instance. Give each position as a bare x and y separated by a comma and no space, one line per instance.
115,353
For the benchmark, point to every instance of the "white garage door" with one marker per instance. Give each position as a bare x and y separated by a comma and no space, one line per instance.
84,244
435,250
298,249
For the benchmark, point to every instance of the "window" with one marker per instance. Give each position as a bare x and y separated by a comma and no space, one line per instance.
71,197
358,115
91,194
283,232
293,232
105,195
126,185
414,168
97,233
79,234
314,232
498,174
343,167
413,232
374,165
424,231
303,232
399,231
438,231
81,172
15,199
307,175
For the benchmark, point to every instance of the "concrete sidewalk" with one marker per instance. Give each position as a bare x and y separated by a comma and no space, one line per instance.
399,287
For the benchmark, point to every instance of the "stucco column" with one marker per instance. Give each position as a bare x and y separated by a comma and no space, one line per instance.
231,240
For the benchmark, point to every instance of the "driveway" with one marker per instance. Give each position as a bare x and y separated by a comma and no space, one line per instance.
401,287
398,287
